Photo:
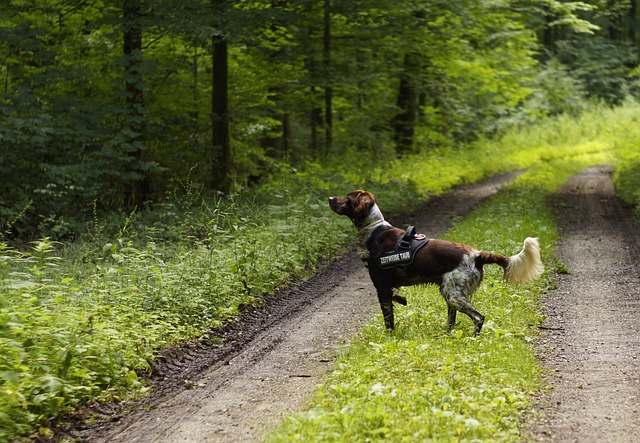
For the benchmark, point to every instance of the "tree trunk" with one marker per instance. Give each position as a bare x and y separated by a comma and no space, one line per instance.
404,123
134,87
315,120
548,34
222,161
328,89
195,96
286,136
315,111
633,22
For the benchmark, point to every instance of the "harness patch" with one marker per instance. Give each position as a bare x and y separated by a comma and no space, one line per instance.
390,260
403,252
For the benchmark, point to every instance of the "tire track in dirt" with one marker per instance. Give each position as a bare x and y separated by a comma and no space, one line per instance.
269,363
591,339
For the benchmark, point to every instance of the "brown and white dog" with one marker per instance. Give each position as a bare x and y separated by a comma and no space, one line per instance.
456,268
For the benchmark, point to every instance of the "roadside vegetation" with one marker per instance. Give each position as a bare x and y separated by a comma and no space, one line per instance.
81,321
627,156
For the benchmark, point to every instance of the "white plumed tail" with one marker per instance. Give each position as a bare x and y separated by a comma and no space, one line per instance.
526,265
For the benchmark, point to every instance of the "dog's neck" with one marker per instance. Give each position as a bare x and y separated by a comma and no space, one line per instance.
374,220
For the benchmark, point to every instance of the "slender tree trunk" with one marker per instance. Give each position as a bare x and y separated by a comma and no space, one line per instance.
222,160
286,136
134,87
328,90
633,22
276,142
404,123
315,119
195,96
548,34
315,112
613,28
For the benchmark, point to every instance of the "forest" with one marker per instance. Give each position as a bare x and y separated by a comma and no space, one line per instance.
166,164
107,107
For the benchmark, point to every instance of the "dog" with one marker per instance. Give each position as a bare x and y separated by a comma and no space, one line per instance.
456,268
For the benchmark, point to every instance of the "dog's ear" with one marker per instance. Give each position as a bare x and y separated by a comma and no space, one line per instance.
362,203
364,200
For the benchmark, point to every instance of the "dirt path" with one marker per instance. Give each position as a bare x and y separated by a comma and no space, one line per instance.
271,362
592,341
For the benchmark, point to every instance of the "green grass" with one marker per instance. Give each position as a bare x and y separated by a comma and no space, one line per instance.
627,161
80,322
425,383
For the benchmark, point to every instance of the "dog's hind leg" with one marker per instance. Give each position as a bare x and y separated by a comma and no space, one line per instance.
478,319
458,286
451,316
457,300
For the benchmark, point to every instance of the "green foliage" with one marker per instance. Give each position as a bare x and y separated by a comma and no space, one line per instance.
627,173
555,92
87,328
71,137
602,65
63,144
566,13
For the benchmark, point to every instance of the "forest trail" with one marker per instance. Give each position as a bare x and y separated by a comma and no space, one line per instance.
591,340
274,360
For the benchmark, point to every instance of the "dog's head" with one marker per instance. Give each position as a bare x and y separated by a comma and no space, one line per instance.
357,205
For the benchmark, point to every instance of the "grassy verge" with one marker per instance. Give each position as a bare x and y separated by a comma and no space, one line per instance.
424,383
81,322
627,162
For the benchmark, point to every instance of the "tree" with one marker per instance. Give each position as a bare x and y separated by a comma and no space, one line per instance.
222,161
405,121
132,11
102,104
328,87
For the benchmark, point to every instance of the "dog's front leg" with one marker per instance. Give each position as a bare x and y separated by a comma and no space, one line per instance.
385,297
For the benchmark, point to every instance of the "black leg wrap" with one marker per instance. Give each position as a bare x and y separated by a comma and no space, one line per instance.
387,312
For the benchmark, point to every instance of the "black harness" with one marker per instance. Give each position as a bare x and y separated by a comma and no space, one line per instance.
400,256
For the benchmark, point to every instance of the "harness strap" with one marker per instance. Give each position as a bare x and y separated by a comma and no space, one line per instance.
374,238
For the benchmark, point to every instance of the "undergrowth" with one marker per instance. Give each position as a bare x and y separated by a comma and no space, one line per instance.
627,174
80,322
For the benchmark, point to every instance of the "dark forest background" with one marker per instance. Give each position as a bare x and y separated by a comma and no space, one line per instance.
107,106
